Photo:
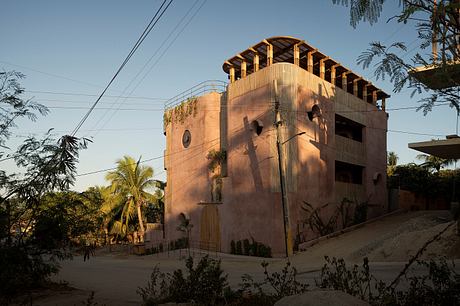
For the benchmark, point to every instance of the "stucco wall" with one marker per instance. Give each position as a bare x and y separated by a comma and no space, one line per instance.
251,199
188,179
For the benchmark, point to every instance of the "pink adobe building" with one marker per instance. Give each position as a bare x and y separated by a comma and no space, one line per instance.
288,109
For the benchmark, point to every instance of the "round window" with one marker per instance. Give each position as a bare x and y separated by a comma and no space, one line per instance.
186,138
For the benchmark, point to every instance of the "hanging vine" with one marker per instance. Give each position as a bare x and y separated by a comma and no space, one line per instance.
180,112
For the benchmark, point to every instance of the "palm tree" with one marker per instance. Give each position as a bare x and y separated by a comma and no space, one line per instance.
392,160
130,182
432,162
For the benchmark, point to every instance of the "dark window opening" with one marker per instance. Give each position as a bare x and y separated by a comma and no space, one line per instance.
315,66
348,128
257,126
348,173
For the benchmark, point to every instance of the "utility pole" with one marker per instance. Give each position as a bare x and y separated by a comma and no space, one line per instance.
281,166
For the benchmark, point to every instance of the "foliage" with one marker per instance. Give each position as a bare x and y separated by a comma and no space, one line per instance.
34,234
130,184
441,286
433,24
13,106
232,247
216,158
253,248
180,112
180,243
203,284
281,284
360,215
422,181
392,161
335,275
433,163
239,249
155,211
348,212
316,222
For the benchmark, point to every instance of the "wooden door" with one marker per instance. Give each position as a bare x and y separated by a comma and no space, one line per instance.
210,228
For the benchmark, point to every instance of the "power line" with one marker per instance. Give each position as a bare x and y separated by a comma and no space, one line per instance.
92,95
51,74
150,59
147,30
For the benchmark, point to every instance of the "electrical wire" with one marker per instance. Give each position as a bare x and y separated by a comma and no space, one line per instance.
90,95
147,30
150,59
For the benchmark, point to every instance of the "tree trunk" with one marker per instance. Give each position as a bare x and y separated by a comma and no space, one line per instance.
141,223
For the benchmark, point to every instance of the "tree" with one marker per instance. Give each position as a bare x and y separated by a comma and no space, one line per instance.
437,23
392,160
130,183
185,226
432,162
43,166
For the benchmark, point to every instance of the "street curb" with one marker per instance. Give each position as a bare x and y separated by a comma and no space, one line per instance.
305,245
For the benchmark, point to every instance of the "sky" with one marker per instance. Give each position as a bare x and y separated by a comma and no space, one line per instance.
69,51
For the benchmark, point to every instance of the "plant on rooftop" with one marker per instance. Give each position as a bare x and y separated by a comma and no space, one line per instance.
180,112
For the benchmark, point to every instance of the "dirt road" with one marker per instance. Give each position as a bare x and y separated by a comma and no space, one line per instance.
388,243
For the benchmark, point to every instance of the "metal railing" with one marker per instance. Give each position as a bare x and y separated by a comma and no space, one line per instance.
195,91
194,249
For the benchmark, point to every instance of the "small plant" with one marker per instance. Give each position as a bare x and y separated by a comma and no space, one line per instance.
441,286
316,222
239,250
281,284
360,212
180,112
156,290
335,275
216,158
254,248
246,247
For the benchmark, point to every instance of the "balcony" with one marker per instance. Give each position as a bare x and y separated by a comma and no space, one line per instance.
350,151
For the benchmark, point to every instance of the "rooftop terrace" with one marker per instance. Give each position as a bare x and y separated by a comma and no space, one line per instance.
292,50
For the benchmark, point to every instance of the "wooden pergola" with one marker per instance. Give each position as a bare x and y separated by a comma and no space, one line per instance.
286,49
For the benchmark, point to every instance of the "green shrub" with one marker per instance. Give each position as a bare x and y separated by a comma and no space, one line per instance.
275,285
238,248
203,284
246,247
232,247
254,248
441,286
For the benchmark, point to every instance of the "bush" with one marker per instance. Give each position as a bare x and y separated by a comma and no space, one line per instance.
280,284
203,284
232,247
238,248
254,248
246,247
441,286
